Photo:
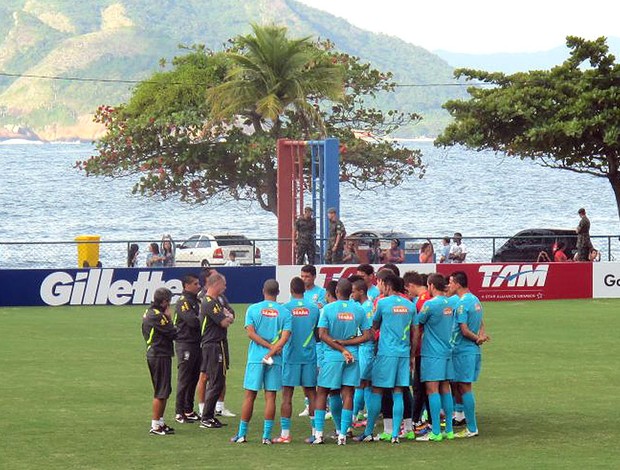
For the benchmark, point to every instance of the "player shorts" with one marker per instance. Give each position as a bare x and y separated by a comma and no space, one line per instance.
299,375
466,367
160,368
213,353
320,353
366,365
390,372
263,377
436,369
334,375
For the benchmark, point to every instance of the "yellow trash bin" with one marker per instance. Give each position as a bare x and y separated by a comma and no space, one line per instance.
87,250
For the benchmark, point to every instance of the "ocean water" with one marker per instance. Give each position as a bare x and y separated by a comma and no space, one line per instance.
44,199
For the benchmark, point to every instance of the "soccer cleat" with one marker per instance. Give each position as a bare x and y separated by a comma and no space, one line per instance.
181,419
465,433
191,417
384,436
410,435
158,431
309,440
360,424
267,441
333,435
395,440
210,423
282,440
360,416
342,440
430,437
238,439
225,413
318,441
363,438
305,412
448,435
167,429
459,422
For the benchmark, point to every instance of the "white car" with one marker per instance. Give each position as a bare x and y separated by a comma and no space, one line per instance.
205,249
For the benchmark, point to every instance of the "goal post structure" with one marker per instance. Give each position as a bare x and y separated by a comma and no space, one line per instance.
293,180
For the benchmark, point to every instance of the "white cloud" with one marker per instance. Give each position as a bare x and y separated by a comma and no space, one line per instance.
481,26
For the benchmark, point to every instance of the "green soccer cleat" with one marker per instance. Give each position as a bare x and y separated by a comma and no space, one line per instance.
384,436
448,435
410,436
430,437
466,433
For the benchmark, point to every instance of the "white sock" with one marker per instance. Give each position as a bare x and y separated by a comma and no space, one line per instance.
459,415
286,432
201,408
408,424
387,425
318,434
154,423
219,406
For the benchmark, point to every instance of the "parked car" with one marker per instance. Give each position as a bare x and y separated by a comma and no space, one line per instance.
526,245
205,249
366,239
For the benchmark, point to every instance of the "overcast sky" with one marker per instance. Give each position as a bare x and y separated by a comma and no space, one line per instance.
481,26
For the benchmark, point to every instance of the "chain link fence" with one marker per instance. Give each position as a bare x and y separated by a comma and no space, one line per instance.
114,254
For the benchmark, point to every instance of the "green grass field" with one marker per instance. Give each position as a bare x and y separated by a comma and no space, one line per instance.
75,393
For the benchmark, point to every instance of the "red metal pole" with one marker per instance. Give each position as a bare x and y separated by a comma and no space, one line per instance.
286,208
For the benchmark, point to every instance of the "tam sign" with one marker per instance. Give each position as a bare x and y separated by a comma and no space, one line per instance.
539,281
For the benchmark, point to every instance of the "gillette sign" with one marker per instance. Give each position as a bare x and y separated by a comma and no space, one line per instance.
98,287
527,281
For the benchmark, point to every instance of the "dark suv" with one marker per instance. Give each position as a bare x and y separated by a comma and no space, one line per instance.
526,245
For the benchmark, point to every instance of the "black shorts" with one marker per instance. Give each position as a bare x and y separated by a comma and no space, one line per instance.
213,355
160,368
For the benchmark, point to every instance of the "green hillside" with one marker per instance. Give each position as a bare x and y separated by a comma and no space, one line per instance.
126,39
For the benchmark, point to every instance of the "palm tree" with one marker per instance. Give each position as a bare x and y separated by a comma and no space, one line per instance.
272,74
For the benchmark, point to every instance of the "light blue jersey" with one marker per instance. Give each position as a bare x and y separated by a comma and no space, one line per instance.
437,316
468,311
316,295
269,320
343,320
373,292
301,346
368,348
396,316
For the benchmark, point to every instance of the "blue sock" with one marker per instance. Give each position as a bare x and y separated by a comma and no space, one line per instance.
267,426
285,424
358,401
313,421
448,408
345,421
398,409
373,403
335,406
469,407
434,400
243,428
458,407
319,420
367,396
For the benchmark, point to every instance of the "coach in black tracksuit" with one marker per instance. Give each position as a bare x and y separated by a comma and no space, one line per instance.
214,321
187,348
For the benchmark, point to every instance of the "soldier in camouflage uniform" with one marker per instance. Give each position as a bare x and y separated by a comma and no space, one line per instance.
304,237
337,234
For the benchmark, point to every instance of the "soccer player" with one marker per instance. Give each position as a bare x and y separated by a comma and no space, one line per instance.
316,295
415,285
214,322
366,353
338,329
268,325
187,345
468,336
313,292
159,333
298,357
367,272
437,316
394,316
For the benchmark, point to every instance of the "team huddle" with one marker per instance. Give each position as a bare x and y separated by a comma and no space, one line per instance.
352,346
